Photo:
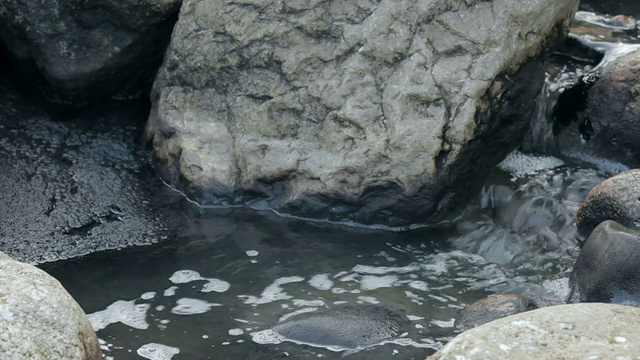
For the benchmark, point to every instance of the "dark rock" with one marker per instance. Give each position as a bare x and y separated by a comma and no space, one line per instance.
612,113
617,198
75,187
84,49
378,112
491,308
345,327
607,268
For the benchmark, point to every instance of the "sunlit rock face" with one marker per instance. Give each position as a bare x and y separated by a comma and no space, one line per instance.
373,111
87,49
40,320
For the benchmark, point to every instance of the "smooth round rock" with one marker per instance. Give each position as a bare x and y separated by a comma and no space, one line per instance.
345,327
607,268
39,319
617,198
491,308
574,331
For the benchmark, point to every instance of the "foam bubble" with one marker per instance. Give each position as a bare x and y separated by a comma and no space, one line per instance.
321,282
266,337
188,306
126,312
170,291
185,276
216,285
272,292
154,351
148,295
252,253
236,332
370,282
443,324
520,164
368,299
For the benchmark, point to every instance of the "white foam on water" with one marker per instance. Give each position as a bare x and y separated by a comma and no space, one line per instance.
235,332
266,337
520,164
185,276
170,291
414,318
321,282
381,270
368,299
160,307
297,312
273,292
148,295
370,282
307,303
419,285
154,351
126,312
252,253
216,285
443,324
189,306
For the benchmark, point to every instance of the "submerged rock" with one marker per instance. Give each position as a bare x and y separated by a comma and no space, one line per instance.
617,198
346,327
379,112
575,331
491,308
84,49
607,268
39,319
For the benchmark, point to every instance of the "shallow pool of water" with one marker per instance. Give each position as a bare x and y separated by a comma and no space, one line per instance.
230,274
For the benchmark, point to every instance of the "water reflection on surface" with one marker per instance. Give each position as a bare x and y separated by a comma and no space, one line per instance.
230,275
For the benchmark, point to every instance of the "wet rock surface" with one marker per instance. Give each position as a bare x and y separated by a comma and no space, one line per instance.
607,268
344,327
491,308
555,332
616,198
40,320
84,49
75,186
612,111
374,112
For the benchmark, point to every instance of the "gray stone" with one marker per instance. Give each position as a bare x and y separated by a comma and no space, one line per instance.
84,49
575,331
346,327
39,319
612,111
607,268
616,198
369,110
491,308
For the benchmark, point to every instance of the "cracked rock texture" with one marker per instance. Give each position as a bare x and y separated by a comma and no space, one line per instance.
88,48
373,111
39,319
554,332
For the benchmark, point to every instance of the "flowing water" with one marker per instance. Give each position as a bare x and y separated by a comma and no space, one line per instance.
215,289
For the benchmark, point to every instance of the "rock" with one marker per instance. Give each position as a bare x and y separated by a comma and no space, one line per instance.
617,198
612,111
39,319
607,268
575,331
491,308
84,49
345,327
369,111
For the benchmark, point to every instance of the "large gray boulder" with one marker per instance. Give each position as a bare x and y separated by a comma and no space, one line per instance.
377,111
39,319
576,331
84,49
607,268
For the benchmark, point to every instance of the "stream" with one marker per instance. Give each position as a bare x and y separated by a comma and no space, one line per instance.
209,283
